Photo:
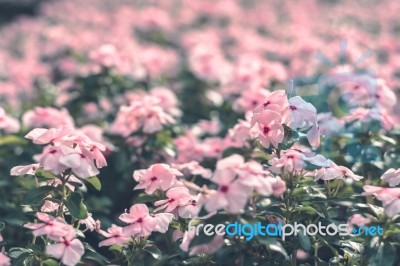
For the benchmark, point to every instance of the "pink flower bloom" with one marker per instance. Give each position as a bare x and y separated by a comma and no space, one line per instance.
158,176
250,99
47,117
7,123
158,61
89,222
304,115
209,248
177,196
54,228
24,169
45,136
332,171
392,176
208,62
69,249
188,148
212,147
364,115
162,221
49,206
145,113
267,126
167,100
231,193
192,208
328,124
390,198
276,101
4,260
80,163
239,135
140,221
51,156
106,55
193,168
358,220
278,186
114,235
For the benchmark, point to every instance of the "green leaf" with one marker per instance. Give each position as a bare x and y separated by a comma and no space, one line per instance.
386,255
92,255
50,262
309,210
200,239
153,251
95,182
44,174
273,244
75,206
143,198
37,194
11,139
304,240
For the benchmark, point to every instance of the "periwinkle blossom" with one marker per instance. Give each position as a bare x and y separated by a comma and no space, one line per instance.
157,176
390,198
68,149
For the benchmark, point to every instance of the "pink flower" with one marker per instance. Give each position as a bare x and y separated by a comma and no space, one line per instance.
267,126
89,222
54,228
7,123
114,235
162,221
192,208
177,196
304,115
47,117
49,206
106,55
250,99
24,169
45,136
157,61
231,193
140,221
276,101
80,163
212,147
69,249
167,100
358,220
392,176
4,260
239,135
51,156
278,186
193,168
390,198
332,171
158,176
146,113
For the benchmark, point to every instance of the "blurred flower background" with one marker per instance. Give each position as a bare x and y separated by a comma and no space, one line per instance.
186,100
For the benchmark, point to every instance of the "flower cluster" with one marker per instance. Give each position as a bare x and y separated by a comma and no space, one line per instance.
199,112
